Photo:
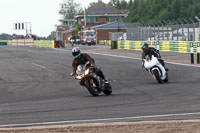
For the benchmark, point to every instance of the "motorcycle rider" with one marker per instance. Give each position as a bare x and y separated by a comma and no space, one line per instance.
82,59
151,51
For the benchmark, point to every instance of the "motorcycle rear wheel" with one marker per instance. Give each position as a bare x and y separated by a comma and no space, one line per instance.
166,79
108,89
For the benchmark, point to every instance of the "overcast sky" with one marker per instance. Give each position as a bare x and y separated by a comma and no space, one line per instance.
43,14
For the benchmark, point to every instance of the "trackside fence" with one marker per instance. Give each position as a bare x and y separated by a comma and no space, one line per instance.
5,42
35,43
44,43
168,46
105,42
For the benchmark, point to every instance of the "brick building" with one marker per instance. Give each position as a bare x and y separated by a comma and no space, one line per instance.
65,29
99,14
103,31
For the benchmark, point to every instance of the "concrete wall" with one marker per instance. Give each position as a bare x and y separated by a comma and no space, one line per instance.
22,42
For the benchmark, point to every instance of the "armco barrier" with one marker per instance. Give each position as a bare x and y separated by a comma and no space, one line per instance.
3,43
7,41
101,42
44,43
22,42
130,45
105,42
168,46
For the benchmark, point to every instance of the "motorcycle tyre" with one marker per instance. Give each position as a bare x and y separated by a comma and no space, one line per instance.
166,79
156,73
108,89
90,88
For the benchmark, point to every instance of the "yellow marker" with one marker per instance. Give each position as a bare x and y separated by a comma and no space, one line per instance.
126,44
165,45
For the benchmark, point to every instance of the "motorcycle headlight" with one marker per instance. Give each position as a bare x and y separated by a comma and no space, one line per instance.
78,77
87,72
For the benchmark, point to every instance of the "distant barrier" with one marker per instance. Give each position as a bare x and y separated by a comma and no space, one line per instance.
44,43
105,42
5,42
22,42
168,46
35,43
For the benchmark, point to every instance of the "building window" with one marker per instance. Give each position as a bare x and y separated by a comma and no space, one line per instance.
92,20
112,19
96,19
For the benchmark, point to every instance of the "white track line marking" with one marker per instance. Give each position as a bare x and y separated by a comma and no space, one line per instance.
121,56
100,120
62,49
43,67
141,59
33,51
181,64
39,65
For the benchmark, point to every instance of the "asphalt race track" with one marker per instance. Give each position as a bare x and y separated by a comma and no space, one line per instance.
35,88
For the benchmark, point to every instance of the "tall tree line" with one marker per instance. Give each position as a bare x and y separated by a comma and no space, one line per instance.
5,36
156,10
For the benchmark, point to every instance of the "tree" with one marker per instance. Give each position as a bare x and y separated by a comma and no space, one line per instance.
5,36
120,4
68,9
157,10
175,9
113,3
91,4
78,28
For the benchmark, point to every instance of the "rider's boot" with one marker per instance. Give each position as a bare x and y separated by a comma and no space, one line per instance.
106,81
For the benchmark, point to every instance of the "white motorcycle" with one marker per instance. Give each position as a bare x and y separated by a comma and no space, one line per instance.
156,69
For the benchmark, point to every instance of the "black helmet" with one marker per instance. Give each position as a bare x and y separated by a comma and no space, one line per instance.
76,52
145,47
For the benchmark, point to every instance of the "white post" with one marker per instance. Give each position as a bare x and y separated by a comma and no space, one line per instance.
158,46
198,51
85,19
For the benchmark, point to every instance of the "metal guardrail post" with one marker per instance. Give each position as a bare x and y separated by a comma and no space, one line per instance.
158,46
193,26
198,51
192,53
199,26
154,44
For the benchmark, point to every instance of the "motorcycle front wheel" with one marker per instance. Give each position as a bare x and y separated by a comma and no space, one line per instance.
92,87
157,76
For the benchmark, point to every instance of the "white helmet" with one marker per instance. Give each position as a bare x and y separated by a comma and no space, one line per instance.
76,52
